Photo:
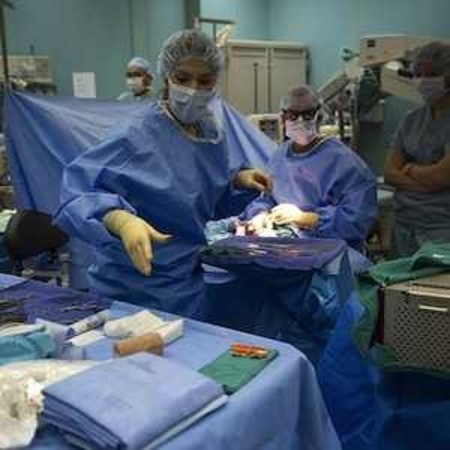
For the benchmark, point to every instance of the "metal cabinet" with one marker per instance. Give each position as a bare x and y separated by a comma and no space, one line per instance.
258,73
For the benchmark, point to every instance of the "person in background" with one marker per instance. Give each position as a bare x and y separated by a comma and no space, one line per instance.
321,187
143,196
139,81
418,164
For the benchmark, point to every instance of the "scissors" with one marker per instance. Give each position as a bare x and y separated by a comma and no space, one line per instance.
80,307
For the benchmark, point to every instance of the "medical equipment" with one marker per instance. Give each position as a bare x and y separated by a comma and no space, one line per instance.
270,124
133,325
29,73
171,330
149,342
392,55
339,95
417,322
142,323
65,307
11,311
89,323
355,93
248,351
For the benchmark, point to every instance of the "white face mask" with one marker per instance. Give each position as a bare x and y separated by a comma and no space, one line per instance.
187,104
431,88
135,84
301,131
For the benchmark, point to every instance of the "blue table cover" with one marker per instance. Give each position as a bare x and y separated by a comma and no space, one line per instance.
280,409
66,306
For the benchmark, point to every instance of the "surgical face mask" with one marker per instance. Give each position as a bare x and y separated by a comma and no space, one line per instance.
431,88
187,104
135,84
302,131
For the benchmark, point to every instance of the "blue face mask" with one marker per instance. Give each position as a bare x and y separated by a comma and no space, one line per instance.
189,105
431,88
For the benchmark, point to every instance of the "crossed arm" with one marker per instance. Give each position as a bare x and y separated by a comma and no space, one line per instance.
414,177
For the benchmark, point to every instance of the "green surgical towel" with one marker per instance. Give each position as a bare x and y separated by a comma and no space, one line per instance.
233,372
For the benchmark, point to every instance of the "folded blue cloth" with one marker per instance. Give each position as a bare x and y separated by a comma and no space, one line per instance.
129,402
26,347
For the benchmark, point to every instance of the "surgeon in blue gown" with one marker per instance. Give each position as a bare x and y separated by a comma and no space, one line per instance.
143,196
321,187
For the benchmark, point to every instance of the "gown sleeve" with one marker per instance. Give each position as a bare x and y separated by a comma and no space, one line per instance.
90,188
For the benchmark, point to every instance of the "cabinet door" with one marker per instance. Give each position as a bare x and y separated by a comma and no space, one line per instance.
247,79
287,68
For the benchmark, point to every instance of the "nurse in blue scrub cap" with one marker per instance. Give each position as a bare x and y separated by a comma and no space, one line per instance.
143,196
139,79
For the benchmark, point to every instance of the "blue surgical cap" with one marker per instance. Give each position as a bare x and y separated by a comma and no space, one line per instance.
437,54
188,44
301,98
142,63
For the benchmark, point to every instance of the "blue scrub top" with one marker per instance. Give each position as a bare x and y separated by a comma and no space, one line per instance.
330,180
423,140
153,169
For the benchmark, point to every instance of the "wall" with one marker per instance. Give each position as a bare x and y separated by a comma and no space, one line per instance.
84,35
92,35
328,25
251,16
153,21
101,35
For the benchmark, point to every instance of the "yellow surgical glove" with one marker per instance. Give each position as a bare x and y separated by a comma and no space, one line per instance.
287,213
253,179
136,235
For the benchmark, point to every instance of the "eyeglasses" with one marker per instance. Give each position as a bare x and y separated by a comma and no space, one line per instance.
292,114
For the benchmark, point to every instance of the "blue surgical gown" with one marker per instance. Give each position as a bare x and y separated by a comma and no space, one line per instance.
330,180
150,168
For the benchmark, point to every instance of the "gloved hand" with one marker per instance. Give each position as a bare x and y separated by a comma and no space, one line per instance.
137,237
260,223
253,179
286,213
